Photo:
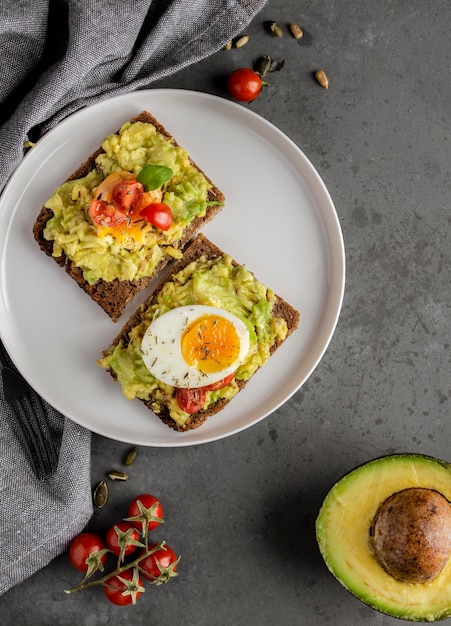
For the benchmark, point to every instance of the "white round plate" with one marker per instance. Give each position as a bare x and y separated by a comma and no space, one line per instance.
278,220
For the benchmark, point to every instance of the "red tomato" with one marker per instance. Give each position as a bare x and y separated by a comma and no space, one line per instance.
220,384
128,194
120,538
244,84
106,214
191,400
145,508
84,545
158,214
159,566
125,588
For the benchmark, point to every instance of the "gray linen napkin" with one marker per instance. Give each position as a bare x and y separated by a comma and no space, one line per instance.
57,57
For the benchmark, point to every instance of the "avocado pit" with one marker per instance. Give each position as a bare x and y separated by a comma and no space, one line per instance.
411,534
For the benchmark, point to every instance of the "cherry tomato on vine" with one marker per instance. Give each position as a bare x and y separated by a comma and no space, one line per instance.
84,545
191,400
125,588
120,539
244,84
143,509
158,214
127,194
159,566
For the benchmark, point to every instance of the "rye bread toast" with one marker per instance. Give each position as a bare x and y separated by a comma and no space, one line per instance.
113,295
200,247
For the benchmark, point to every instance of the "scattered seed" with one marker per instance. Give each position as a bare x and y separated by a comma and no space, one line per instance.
116,475
295,30
130,457
322,79
275,29
262,65
228,45
241,41
100,495
276,66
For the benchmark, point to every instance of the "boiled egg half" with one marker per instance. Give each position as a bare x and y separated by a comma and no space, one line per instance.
194,346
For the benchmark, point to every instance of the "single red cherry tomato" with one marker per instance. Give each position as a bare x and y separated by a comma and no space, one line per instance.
159,566
244,84
124,593
191,400
143,509
106,213
120,537
158,214
84,545
220,384
127,194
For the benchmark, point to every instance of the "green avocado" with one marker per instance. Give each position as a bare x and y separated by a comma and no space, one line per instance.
345,525
72,231
211,282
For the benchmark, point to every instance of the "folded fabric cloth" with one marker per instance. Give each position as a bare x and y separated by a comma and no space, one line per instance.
57,58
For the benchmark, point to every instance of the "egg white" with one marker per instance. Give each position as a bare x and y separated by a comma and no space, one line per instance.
161,347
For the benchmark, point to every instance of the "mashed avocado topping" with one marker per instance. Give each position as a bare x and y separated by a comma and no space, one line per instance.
212,282
107,257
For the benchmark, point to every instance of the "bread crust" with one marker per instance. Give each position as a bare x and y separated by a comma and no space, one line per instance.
198,247
115,295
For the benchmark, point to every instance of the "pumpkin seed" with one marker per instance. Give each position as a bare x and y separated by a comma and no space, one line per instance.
295,30
262,65
276,66
275,29
100,495
322,79
130,457
116,475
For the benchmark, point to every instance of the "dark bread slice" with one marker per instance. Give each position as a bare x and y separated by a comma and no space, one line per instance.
113,296
200,246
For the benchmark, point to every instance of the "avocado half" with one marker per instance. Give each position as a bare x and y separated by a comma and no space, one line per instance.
344,525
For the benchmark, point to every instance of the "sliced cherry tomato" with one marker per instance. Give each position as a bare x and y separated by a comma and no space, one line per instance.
128,194
220,384
84,548
125,588
122,539
104,191
159,566
145,509
158,214
191,400
244,84
106,214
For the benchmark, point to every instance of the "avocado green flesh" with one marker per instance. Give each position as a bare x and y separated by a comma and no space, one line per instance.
216,283
105,257
343,530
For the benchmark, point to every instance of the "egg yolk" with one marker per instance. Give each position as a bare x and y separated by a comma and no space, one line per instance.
210,343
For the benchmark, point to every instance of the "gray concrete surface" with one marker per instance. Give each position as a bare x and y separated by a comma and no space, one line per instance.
241,511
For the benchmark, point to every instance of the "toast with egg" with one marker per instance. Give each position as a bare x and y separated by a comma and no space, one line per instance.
204,280
112,264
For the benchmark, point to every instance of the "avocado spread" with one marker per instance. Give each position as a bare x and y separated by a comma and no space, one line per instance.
345,534
211,282
106,257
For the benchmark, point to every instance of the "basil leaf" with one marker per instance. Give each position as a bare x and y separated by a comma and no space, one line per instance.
154,176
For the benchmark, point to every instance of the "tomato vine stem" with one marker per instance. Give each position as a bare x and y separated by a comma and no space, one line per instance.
118,570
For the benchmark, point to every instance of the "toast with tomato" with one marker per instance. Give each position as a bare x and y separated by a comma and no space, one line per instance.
199,337
126,212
